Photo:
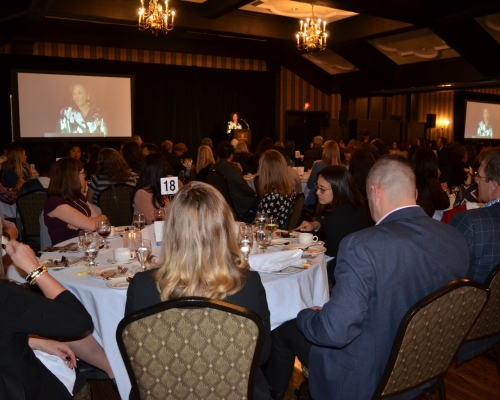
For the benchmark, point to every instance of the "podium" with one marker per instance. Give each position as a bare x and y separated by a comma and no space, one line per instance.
243,134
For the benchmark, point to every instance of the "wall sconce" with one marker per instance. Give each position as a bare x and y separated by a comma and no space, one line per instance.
444,123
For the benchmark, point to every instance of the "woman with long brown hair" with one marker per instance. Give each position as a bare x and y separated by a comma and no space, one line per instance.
112,169
15,168
275,187
201,257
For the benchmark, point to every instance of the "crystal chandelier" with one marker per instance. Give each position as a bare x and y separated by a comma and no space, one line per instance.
312,35
156,18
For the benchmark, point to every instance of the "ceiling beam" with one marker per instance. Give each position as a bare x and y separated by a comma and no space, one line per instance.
218,8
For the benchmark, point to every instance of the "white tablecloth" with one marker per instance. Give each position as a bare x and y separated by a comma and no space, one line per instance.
286,296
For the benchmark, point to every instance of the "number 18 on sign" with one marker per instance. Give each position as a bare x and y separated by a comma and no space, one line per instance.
169,185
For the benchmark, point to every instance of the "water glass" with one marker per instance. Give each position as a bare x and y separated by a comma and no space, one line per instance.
261,219
139,220
84,238
93,251
246,230
245,243
142,249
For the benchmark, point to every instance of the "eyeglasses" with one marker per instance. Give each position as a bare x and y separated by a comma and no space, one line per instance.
320,189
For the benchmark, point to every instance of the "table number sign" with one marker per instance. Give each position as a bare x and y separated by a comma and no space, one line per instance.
169,185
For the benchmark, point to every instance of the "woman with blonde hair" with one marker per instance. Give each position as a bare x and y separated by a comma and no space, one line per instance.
112,169
242,155
201,257
275,187
15,168
204,162
330,157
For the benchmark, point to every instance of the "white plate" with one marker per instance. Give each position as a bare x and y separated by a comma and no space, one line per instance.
287,271
293,246
112,261
280,242
118,283
121,229
314,250
49,262
108,270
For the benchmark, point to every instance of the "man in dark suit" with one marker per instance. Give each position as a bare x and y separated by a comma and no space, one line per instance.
481,229
314,154
172,158
244,197
381,273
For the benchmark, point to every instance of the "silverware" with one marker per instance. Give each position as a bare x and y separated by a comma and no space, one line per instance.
123,271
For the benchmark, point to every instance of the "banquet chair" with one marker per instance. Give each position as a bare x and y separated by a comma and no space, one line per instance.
295,212
487,324
193,348
116,204
29,207
45,240
429,337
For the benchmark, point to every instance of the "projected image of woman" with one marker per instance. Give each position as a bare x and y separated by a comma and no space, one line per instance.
83,116
485,129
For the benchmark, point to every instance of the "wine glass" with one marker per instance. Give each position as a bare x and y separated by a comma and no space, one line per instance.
245,243
93,251
159,214
246,230
103,229
84,237
139,220
272,224
263,237
142,249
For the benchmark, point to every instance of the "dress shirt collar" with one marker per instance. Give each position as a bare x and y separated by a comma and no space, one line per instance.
390,212
490,203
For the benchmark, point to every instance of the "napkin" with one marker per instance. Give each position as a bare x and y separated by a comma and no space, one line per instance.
59,368
270,262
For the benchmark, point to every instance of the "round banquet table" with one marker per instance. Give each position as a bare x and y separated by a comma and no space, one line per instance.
286,296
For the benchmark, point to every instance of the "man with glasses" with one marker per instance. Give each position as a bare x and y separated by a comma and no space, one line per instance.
481,229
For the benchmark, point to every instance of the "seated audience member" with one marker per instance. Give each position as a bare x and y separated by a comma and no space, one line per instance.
206,142
481,229
197,215
234,142
4,150
243,196
264,145
292,172
180,149
147,196
314,153
360,163
242,156
27,318
43,160
275,187
112,170
136,138
330,156
365,136
149,148
75,152
431,196
9,230
290,153
452,171
15,167
440,143
348,152
381,273
92,163
132,154
342,210
172,158
204,163
66,207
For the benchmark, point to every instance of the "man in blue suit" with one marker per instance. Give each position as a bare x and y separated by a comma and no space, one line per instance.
381,273
481,229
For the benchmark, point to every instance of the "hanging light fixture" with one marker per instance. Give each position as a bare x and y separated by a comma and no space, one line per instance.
312,34
155,17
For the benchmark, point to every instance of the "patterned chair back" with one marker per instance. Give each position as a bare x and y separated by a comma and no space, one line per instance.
30,206
209,350
116,204
430,335
293,218
488,322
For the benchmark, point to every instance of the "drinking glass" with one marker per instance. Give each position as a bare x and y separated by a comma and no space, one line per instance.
263,237
245,243
103,229
85,237
261,219
142,249
139,221
159,214
272,224
246,230
93,251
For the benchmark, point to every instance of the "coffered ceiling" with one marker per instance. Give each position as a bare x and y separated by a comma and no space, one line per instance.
375,46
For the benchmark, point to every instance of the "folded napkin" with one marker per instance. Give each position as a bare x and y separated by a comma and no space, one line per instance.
59,368
270,262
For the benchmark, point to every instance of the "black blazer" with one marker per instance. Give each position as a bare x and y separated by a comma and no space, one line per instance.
312,155
175,162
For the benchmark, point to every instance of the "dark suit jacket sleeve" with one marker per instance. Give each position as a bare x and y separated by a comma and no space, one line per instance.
463,222
235,175
142,292
339,322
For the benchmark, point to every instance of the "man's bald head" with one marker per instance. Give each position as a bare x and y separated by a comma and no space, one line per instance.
391,184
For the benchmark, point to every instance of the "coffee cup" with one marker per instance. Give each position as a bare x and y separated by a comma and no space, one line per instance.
123,254
307,238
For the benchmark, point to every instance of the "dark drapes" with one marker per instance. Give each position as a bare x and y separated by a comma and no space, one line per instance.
181,104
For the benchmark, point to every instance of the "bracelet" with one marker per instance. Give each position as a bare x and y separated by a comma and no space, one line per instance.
33,275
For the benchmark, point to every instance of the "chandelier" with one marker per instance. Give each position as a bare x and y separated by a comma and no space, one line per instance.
156,18
312,35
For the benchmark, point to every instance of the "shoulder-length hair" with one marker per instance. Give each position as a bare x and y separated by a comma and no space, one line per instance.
241,147
425,165
344,188
64,179
153,168
331,153
15,161
273,174
201,256
205,158
112,166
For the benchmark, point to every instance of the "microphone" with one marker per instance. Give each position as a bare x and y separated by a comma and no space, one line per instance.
248,126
